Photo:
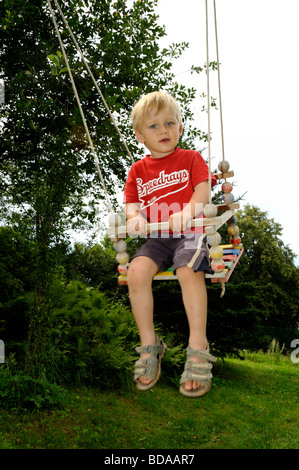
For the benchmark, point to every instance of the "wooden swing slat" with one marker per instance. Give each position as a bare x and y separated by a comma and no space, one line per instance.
211,224
223,176
222,276
228,257
239,249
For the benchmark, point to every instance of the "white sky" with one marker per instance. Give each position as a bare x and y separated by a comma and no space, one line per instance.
258,49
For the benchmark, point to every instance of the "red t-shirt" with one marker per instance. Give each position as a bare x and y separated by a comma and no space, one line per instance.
161,186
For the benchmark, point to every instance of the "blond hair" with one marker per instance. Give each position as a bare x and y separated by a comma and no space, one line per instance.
157,100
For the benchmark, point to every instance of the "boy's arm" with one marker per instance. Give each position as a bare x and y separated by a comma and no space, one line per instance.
135,221
178,221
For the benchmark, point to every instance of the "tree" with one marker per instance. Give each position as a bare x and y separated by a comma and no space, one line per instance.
16,280
270,263
46,168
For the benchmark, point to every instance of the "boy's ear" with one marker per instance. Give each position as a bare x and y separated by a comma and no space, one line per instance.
140,137
181,129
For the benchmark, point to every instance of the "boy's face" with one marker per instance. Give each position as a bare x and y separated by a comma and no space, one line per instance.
160,132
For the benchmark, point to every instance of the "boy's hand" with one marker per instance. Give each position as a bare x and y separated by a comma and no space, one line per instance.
178,221
136,226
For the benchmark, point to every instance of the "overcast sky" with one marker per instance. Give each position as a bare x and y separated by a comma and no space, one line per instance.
258,48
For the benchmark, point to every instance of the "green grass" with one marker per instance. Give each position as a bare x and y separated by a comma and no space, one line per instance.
253,404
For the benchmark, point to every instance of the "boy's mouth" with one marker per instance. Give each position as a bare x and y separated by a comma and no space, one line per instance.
164,140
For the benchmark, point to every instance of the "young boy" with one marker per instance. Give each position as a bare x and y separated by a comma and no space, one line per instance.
168,185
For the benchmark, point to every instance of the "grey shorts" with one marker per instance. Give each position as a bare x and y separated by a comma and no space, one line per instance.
176,252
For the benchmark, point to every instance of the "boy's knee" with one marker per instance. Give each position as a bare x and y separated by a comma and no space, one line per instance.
136,273
133,274
140,272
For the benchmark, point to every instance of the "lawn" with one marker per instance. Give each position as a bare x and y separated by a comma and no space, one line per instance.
253,404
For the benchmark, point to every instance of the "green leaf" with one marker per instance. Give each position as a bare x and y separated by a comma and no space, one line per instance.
64,69
54,70
53,58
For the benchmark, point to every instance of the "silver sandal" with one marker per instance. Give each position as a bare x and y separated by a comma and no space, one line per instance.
151,366
199,371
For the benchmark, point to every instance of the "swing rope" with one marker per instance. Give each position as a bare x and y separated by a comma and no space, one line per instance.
80,107
208,102
94,80
200,240
219,84
208,89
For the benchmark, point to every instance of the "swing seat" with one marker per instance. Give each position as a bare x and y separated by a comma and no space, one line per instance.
231,256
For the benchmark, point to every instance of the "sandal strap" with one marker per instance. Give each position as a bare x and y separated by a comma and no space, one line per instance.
153,349
146,368
196,371
199,371
205,355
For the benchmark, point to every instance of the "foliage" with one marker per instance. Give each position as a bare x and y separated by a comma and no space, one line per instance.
269,263
15,260
95,267
19,390
16,279
47,172
89,340
92,339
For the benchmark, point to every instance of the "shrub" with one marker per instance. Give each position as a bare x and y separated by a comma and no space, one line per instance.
92,339
20,390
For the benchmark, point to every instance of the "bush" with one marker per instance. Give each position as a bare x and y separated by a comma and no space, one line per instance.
20,390
95,267
92,340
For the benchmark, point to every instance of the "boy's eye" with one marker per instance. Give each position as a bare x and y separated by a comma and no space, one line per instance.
153,126
170,123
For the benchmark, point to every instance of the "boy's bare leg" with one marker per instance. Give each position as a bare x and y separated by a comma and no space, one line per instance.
140,275
195,301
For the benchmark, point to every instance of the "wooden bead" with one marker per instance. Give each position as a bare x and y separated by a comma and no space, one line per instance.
223,166
122,258
217,265
232,220
216,252
228,198
122,269
227,187
214,239
210,210
236,240
233,230
120,245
